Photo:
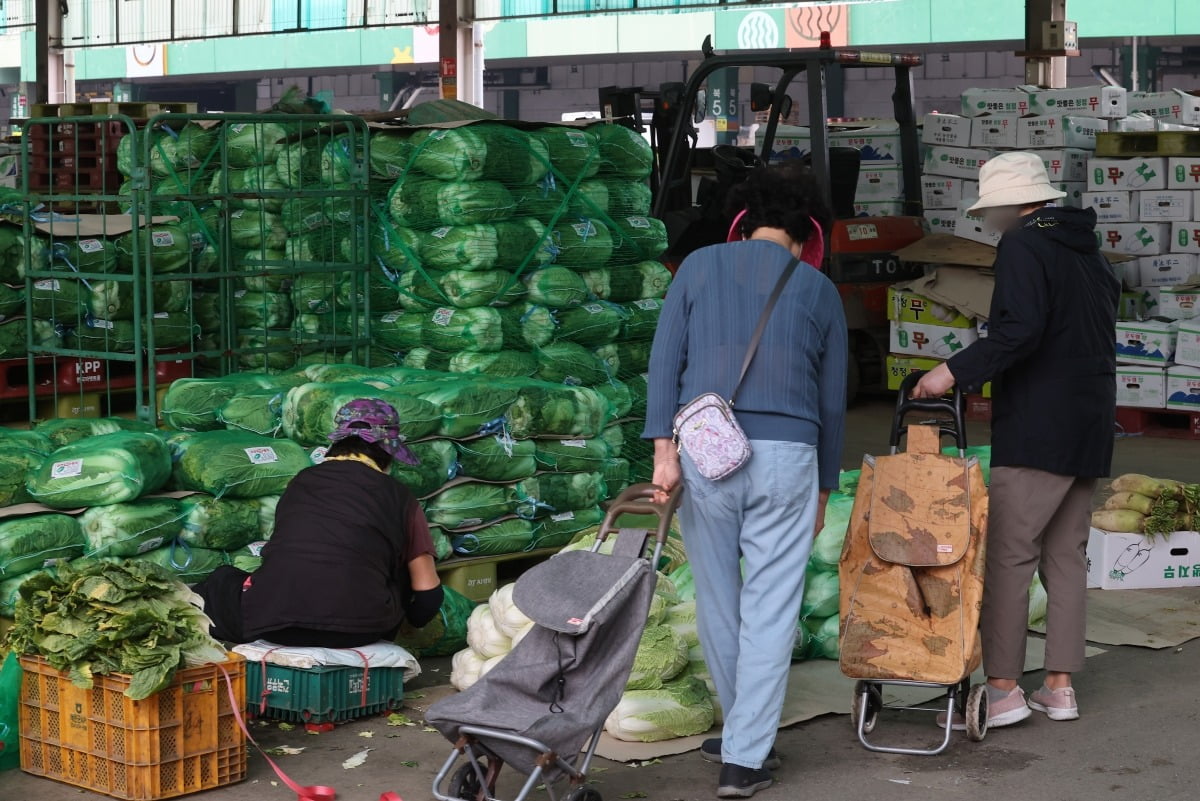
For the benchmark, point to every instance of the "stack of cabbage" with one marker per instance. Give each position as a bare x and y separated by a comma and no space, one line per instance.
524,254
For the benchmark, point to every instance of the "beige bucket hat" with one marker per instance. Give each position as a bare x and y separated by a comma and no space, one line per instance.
1014,179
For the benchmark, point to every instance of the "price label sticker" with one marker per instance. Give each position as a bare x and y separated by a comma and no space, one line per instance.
265,455
443,316
68,469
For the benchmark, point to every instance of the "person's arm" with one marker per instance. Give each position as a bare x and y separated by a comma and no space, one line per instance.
832,392
1020,306
668,357
426,585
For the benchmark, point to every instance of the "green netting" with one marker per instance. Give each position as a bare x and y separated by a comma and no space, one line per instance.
100,470
527,326
170,248
426,359
34,441
633,358
251,144
86,255
14,342
497,459
618,474
189,565
259,413
238,464
309,410
426,203
375,290
390,154
338,157
245,186
641,320
573,151
637,239
130,529
583,243
57,298
508,536
557,287
614,436
639,388
12,253
461,289
623,151
550,493
258,230
646,279
263,309
260,274
171,330
559,529
504,364
558,410
477,152
467,404
572,455
591,324
445,635
441,544
438,464
619,396
248,558
315,293
506,245
17,461
272,351
193,403
571,363
298,164
470,504
443,329
590,198
224,524
69,430
393,247
303,214
37,541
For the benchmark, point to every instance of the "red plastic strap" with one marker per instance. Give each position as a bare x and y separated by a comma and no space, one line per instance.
262,701
314,793
366,674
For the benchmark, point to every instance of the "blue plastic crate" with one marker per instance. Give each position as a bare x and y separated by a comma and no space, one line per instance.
322,694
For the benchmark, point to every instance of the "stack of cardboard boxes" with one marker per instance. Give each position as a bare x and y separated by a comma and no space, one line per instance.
1150,208
924,333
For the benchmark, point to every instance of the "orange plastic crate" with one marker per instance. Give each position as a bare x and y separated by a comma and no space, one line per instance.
181,740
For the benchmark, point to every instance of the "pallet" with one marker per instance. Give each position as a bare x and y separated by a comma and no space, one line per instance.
97,178
1148,143
1164,423
59,131
138,111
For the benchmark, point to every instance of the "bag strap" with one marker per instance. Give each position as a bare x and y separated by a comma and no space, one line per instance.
762,325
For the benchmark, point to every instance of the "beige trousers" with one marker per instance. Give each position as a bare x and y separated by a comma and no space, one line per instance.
1037,521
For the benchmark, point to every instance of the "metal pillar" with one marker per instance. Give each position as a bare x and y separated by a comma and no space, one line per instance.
724,105
1041,68
49,81
460,52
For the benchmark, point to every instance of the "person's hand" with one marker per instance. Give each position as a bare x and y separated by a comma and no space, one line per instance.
934,384
822,503
667,472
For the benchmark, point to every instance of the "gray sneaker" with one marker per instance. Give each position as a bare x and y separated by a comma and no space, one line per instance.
1057,704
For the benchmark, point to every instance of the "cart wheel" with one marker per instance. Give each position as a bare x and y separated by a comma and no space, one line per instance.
874,704
465,783
977,713
584,794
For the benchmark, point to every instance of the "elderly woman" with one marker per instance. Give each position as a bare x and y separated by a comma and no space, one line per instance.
791,406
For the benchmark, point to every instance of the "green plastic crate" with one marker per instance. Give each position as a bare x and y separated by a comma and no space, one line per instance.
322,694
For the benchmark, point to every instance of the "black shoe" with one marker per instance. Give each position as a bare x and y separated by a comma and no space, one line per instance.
739,782
710,751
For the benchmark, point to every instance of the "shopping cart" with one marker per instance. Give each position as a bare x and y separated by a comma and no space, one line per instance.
912,573
542,708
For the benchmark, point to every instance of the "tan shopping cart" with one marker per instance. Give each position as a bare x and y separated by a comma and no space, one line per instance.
912,573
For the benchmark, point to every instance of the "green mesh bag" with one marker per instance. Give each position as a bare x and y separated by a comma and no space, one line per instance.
497,459
438,464
464,289
57,298
262,309
171,330
617,475
446,634
248,187
131,529
191,404
17,461
170,248
315,293
583,243
618,395
298,164
558,410
259,413
114,300
550,493
559,529
641,281
425,203
252,144
507,536
262,271
638,239
591,324
452,330
614,437
309,410
503,245
395,248
391,153
12,253
70,430
302,215
570,363
557,288
189,565
504,364
85,255
467,405
623,151
574,152
641,320
355,291
633,358
100,470
527,326
572,455
426,359
478,152
257,229
269,351
37,541
223,524
238,464
469,505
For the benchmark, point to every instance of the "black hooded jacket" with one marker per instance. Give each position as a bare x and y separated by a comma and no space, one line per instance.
1050,350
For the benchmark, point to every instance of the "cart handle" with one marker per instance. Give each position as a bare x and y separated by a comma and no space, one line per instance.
955,406
637,500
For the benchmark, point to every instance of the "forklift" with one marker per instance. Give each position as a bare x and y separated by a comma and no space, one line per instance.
690,184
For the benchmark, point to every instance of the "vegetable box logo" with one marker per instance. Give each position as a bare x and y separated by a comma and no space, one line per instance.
78,719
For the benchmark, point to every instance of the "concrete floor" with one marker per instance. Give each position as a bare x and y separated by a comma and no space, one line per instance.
1136,740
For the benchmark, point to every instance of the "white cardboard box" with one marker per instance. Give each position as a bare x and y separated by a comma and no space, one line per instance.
941,221
1149,342
1187,348
1183,173
1065,165
882,208
1185,237
1083,101
1179,302
878,182
956,162
1135,123
1110,206
1133,562
1106,175
1183,388
1160,105
791,142
1149,300
1075,191
878,143
948,130
1141,387
946,193
1134,239
930,341
1059,131
994,132
1168,270
1165,206
972,228
996,102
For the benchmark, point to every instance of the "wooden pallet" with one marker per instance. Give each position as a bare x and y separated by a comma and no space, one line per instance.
1148,143
89,131
98,178
138,111
1166,423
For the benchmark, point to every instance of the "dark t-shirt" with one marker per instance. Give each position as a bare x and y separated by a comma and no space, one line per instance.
338,560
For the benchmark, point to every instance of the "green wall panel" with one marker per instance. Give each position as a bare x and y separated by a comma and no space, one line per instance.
949,20
902,22
507,39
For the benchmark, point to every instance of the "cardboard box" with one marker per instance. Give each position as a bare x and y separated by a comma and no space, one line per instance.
994,132
1134,562
909,307
883,208
1183,388
1160,105
956,162
1065,165
1106,175
996,102
1165,206
1179,302
930,341
1135,123
1059,131
1110,206
899,367
879,183
1129,273
1168,270
946,193
972,228
791,142
1141,387
1185,237
1183,173
941,221
1148,342
1074,191
1187,348
1150,296
946,129
1082,102
1134,239
877,143
1130,307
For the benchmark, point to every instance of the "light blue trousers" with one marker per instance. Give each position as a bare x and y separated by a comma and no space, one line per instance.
762,515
